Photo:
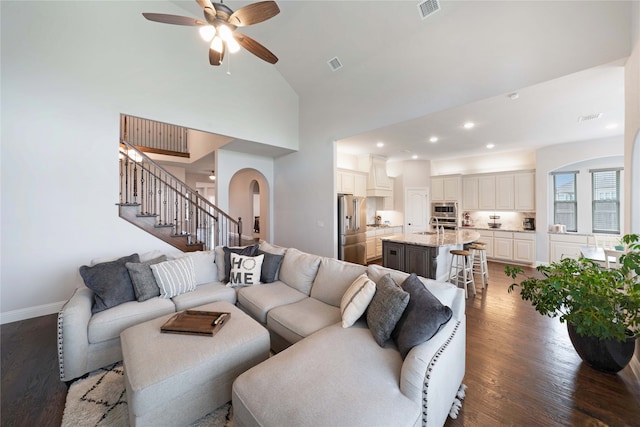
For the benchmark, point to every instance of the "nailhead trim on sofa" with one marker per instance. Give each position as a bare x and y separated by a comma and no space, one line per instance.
432,363
60,350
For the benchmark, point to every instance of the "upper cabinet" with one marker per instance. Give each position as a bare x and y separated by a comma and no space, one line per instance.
445,188
501,192
352,182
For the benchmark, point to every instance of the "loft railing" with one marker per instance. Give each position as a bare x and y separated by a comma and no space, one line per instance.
159,194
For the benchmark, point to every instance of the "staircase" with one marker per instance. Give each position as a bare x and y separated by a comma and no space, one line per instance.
159,203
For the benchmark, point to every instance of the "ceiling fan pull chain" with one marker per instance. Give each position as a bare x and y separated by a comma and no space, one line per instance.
228,65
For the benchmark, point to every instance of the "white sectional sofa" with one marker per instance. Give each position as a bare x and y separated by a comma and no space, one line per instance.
323,373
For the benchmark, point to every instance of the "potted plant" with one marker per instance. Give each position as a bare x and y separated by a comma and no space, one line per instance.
600,306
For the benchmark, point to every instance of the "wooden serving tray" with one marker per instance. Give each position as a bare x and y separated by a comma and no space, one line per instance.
195,322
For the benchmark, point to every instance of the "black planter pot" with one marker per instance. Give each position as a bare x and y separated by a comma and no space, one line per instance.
603,355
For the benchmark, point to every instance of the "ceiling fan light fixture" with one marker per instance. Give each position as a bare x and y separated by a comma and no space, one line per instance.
207,32
233,45
225,33
216,44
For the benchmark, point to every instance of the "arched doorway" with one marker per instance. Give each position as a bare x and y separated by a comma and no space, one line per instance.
249,200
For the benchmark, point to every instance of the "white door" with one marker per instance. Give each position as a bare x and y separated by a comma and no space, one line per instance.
416,210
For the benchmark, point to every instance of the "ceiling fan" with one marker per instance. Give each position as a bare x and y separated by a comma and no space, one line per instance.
220,24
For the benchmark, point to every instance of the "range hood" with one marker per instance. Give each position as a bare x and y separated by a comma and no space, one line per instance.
379,184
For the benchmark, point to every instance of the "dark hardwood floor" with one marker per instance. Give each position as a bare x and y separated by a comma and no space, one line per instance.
521,371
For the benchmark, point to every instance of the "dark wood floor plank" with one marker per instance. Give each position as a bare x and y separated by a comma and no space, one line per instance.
521,370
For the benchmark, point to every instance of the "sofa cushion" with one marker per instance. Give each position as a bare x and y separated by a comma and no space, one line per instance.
251,250
296,321
174,277
333,377
204,267
110,282
333,279
377,272
356,300
204,294
422,319
270,266
386,308
144,284
258,300
272,249
298,270
110,323
245,270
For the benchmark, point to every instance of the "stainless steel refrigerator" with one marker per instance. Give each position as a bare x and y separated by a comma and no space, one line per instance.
352,228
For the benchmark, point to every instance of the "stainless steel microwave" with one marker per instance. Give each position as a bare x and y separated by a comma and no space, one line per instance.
444,210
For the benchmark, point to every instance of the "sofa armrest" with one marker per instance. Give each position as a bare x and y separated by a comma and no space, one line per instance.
432,371
73,341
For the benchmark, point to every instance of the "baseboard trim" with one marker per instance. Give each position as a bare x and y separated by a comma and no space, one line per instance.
30,312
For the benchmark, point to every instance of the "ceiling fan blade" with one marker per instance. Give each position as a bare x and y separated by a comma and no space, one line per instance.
215,58
254,13
173,19
256,48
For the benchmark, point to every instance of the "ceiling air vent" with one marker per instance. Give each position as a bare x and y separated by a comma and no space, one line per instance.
428,7
334,64
589,117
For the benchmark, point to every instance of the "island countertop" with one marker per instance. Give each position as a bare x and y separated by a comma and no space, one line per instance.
450,238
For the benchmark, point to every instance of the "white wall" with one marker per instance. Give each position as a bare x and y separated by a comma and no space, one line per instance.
582,154
492,162
68,70
632,129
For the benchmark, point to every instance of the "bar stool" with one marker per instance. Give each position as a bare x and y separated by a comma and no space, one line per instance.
461,270
480,262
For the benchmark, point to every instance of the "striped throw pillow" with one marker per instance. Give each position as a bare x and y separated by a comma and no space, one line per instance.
356,300
174,277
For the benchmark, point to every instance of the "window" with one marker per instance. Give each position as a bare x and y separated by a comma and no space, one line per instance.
564,200
605,184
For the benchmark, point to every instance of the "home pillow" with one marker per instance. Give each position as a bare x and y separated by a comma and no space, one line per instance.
270,266
174,277
245,270
422,319
144,284
386,308
204,267
245,250
356,300
110,283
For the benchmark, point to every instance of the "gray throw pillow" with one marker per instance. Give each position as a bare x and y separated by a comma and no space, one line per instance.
110,283
144,284
246,251
270,266
386,308
422,319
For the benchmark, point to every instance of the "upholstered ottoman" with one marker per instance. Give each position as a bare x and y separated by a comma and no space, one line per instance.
175,379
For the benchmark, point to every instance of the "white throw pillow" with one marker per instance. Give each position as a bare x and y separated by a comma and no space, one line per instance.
174,277
204,268
245,270
356,300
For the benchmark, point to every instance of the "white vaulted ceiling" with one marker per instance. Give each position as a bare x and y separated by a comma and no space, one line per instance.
405,79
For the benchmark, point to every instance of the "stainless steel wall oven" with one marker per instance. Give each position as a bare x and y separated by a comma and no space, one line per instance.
444,214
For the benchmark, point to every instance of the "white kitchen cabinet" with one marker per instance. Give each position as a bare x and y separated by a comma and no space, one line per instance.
504,195
469,193
352,182
374,240
524,248
503,245
445,188
486,192
486,236
524,191
565,245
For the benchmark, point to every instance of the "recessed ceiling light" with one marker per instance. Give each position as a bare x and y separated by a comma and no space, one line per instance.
433,139
612,126
380,144
469,125
490,145
415,156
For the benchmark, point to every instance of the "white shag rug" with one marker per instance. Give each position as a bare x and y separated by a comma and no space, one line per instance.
100,399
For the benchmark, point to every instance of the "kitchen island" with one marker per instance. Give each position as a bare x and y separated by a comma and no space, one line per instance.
426,254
